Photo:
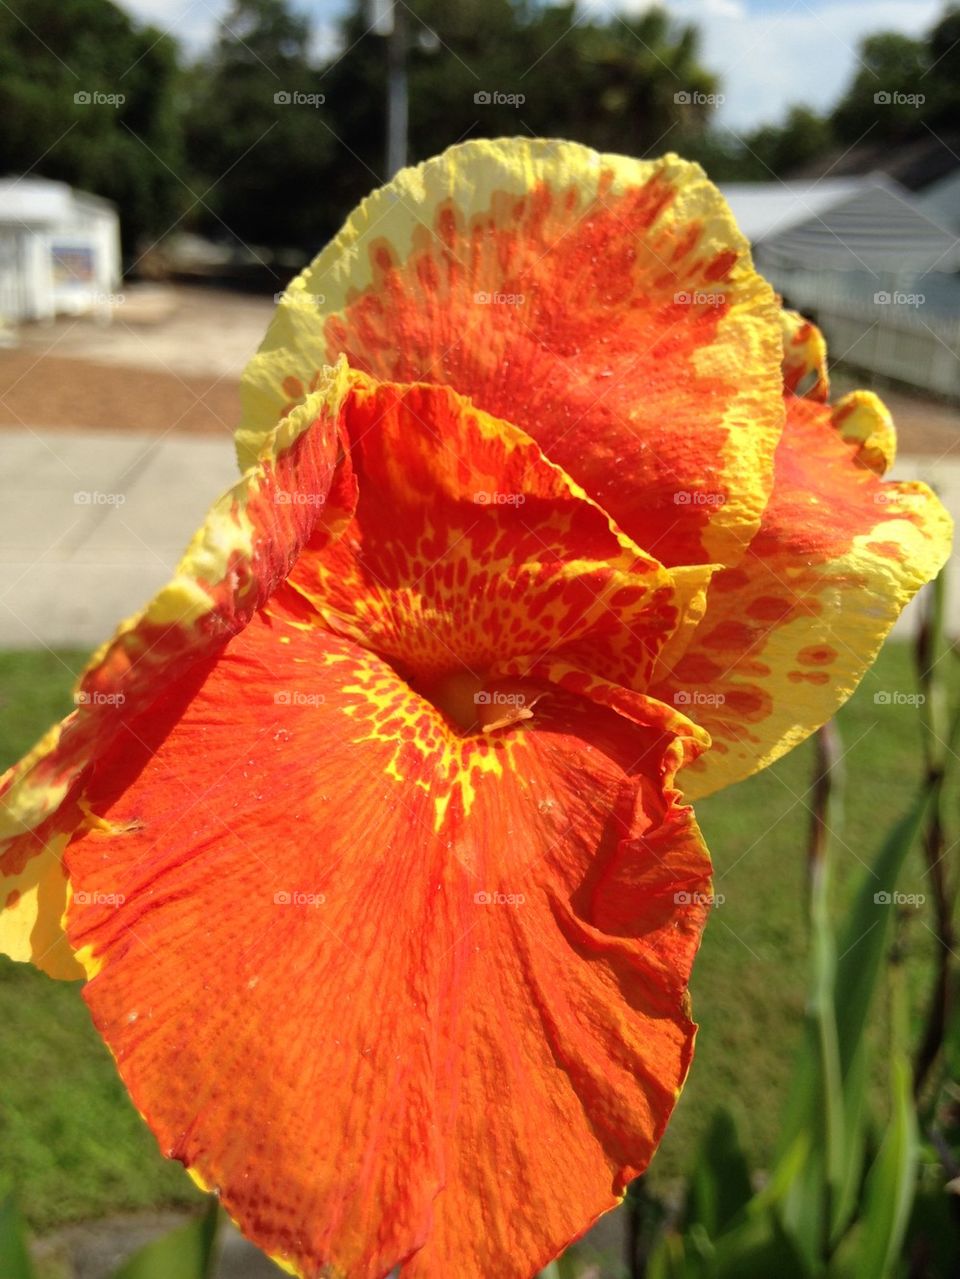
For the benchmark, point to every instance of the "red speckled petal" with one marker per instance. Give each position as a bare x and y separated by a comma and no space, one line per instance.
469,550
247,544
382,985
607,306
789,633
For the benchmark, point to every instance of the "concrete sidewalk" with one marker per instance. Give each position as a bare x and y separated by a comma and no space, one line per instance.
93,523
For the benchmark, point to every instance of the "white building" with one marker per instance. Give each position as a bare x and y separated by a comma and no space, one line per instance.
59,250
865,259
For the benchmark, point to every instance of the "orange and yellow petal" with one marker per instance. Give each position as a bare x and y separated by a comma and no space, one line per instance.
469,550
788,634
607,306
247,544
861,418
805,370
385,1038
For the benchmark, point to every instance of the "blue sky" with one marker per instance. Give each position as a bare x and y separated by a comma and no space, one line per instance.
769,53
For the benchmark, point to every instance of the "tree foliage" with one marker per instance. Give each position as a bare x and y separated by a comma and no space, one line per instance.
267,141
89,97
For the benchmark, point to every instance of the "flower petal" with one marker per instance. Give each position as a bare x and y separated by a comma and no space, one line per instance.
789,633
804,358
469,550
382,1040
246,545
863,419
608,306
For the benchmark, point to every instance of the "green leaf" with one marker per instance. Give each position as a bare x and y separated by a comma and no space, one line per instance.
187,1253
891,1184
760,1249
720,1185
15,1260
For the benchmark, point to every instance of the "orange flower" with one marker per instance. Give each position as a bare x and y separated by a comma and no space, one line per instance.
367,828
609,307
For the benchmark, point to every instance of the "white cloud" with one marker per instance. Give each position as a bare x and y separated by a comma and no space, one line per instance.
798,53
802,51
192,22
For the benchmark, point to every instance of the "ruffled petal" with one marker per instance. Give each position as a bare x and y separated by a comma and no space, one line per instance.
789,633
607,306
469,550
338,906
382,1039
804,358
246,546
864,420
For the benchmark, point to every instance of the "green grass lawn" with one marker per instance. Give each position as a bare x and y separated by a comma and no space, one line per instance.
74,1147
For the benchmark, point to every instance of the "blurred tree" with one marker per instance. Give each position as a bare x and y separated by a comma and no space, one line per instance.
485,68
903,88
802,137
943,77
891,75
56,57
256,132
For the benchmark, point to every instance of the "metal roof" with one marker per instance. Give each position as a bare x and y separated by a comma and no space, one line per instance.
849,224
43,202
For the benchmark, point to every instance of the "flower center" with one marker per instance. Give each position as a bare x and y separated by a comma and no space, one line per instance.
476,704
